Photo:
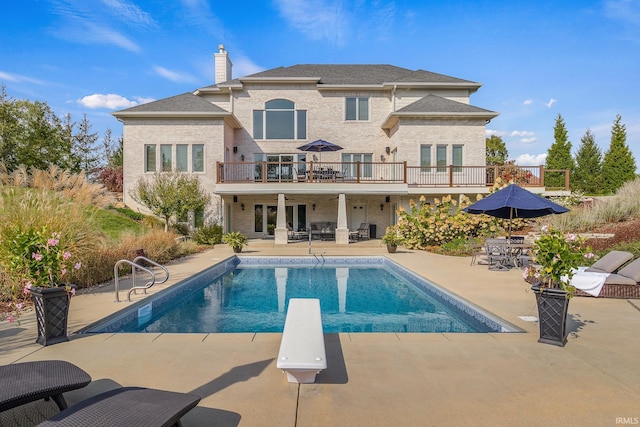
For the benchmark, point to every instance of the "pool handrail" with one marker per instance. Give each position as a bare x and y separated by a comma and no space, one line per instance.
134,266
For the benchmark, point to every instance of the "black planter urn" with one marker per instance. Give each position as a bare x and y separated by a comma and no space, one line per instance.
52,312
552,315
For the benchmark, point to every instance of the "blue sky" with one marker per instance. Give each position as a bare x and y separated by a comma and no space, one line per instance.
535,60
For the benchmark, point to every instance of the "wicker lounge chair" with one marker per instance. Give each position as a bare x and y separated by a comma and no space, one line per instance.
26,382
127,406
611,262
623,284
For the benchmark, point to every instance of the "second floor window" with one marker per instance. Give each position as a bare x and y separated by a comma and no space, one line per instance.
425,158
441,158
456,158
357,109
279,120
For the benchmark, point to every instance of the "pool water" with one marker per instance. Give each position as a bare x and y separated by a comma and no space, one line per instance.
252,296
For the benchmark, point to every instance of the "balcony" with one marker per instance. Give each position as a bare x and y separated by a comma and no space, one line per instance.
337,173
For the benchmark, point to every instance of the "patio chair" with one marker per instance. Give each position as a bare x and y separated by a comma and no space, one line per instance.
301,176
497,255
474,249
624,284
26,382
363,231
611,262
127,406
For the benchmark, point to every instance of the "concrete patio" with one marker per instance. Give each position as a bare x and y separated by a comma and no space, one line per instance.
376,379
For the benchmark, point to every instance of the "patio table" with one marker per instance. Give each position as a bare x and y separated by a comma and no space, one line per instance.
26,382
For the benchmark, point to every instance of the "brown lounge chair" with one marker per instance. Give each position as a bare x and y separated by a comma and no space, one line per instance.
611,262
623,284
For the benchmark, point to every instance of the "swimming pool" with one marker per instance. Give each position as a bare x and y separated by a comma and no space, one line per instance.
250,294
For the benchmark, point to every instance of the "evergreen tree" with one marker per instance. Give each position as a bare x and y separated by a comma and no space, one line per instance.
115,160
107,145
85,149
559,156
588,174
497,153
618,165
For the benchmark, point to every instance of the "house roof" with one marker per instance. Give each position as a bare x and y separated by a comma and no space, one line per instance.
185,105
437,106
331,75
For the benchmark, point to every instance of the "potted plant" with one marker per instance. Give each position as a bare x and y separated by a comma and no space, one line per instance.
392,239
236,240
39,261
556,258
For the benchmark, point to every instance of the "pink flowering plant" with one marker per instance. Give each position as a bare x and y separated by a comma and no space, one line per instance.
556,258
35,258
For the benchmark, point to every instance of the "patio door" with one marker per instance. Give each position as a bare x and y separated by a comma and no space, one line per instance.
279,167
265,218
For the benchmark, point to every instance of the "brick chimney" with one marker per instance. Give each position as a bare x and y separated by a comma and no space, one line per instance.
222,65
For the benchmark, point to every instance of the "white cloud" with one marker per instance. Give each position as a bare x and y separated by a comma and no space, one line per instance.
490,132
551,102
528,140
531,159
129,12
83,22
243,66
318,19
17,78
110,101
142,100
528,102
525,133
174,76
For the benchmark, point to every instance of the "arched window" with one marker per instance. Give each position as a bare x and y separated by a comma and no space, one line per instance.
279,120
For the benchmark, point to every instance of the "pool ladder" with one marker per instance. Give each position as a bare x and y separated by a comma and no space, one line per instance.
134,267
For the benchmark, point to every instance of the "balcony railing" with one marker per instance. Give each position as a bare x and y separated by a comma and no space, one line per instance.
382,173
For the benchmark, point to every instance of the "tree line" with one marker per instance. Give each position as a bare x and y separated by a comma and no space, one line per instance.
31,134
591,171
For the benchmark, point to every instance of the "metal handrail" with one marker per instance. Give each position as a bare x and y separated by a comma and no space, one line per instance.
155,264
116,279
134,267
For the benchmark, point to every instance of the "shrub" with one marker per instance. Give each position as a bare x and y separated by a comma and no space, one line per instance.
111,178
424,226
209,234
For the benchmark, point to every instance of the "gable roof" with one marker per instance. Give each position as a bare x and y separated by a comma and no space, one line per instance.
436,106
339,75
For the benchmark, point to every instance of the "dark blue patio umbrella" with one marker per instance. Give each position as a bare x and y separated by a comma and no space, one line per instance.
320,145
515,202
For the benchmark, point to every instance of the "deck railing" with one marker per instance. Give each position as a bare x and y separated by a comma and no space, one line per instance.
382,173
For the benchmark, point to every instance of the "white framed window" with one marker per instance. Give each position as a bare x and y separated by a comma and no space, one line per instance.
425,157
280,120
197,158
355,160
441,158
149,158
165,156
456,157
356,109
182,158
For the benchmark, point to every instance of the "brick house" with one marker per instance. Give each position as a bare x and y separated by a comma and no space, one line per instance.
403,133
